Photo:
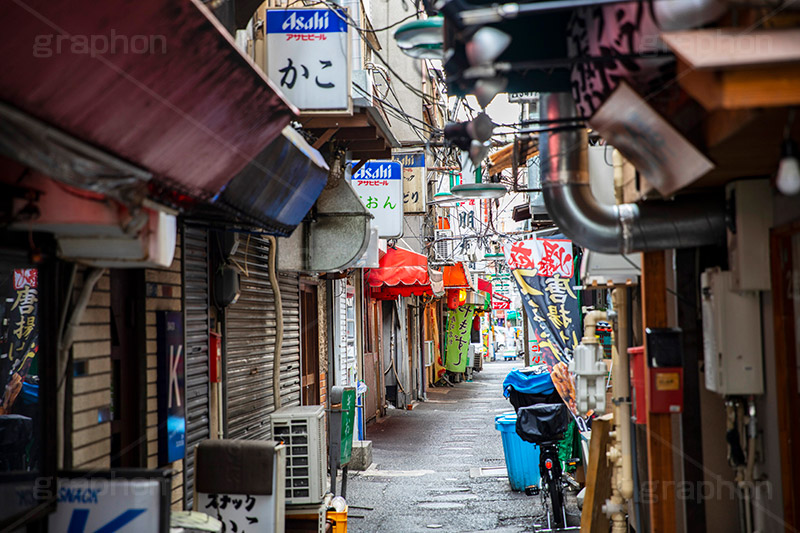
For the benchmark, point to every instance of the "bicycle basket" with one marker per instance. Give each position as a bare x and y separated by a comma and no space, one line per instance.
542,422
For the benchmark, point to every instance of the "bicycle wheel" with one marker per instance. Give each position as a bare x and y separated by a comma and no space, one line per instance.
556,501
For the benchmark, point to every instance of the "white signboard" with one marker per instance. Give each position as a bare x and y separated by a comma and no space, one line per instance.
307,57
239,512
413,181
86,505
519,98
379,184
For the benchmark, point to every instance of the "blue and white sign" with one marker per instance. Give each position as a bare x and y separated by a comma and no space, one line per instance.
379,184
413,181
124,505
308,57
171,386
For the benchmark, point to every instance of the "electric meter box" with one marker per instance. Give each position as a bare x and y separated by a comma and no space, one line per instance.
731,336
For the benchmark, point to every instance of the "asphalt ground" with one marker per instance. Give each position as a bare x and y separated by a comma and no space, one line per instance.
420,479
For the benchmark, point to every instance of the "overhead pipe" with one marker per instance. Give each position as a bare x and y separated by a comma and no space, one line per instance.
685,222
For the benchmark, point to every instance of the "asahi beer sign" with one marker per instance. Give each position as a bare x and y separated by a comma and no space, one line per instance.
413,181
308,57
171,386
379,184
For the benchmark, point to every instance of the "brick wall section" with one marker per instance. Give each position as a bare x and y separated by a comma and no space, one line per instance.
89,440
162,293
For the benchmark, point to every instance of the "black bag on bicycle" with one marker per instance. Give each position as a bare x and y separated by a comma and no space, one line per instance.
543,422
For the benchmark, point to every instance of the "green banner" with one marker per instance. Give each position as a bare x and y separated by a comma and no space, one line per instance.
348,423
458,325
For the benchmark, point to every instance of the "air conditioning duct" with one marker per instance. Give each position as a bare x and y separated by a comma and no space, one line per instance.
685,222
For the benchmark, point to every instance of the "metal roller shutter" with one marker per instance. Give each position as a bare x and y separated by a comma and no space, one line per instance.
290,356
196,318
250,326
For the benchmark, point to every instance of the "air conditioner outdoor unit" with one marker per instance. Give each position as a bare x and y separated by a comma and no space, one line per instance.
428,353
302,428
443,249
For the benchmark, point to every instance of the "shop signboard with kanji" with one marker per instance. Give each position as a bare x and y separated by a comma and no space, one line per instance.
544,270
308,57
458,334
413,182
379,184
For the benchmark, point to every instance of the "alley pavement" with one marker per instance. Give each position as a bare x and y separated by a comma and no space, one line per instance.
426,462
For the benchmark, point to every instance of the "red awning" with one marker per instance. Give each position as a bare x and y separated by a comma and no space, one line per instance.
401,273
457,277
156,82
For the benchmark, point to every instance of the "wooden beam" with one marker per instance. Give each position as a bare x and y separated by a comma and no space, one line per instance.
773,86
726,48
722,124
370,146
598,478
366,133
358,166
786,359
325,137
381,154
661,475
325,122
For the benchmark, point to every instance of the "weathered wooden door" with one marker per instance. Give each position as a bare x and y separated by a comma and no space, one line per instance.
309,367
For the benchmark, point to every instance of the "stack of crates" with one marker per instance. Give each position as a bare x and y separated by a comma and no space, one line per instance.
302,430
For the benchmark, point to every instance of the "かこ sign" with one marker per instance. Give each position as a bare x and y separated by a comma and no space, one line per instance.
308,56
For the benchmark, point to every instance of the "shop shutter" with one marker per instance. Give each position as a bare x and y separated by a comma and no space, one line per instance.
346,334
196,319
250,327
290,358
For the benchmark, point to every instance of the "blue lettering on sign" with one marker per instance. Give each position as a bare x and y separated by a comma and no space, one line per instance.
306,21
80,517
410,160
67,495
379,170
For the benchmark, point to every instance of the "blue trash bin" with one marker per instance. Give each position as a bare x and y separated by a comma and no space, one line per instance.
522,458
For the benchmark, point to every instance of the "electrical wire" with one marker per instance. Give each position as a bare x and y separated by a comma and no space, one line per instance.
347,19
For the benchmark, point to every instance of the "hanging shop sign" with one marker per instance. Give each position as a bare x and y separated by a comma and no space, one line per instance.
171,386
458,328
499,304
23,340
379,185
545,275
413,182
308,57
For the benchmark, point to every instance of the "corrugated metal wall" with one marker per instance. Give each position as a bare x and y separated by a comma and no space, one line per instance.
250,327
346,338
196,318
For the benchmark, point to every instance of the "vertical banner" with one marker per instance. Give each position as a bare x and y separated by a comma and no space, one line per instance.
413,182
171,386
20,369
545,275
308,57
459,324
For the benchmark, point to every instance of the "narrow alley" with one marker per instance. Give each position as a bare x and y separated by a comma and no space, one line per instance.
426,465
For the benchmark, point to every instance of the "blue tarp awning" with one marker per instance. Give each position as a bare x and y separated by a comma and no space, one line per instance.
279,186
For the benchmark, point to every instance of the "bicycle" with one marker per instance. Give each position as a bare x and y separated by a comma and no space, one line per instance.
544,424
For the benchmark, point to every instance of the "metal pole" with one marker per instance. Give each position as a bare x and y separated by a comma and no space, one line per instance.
525,337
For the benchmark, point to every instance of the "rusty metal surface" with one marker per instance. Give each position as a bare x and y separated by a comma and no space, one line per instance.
191,108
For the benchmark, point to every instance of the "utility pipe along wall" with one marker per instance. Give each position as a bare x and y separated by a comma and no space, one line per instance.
685,222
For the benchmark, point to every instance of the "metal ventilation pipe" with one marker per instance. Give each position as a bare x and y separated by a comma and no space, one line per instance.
685,222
